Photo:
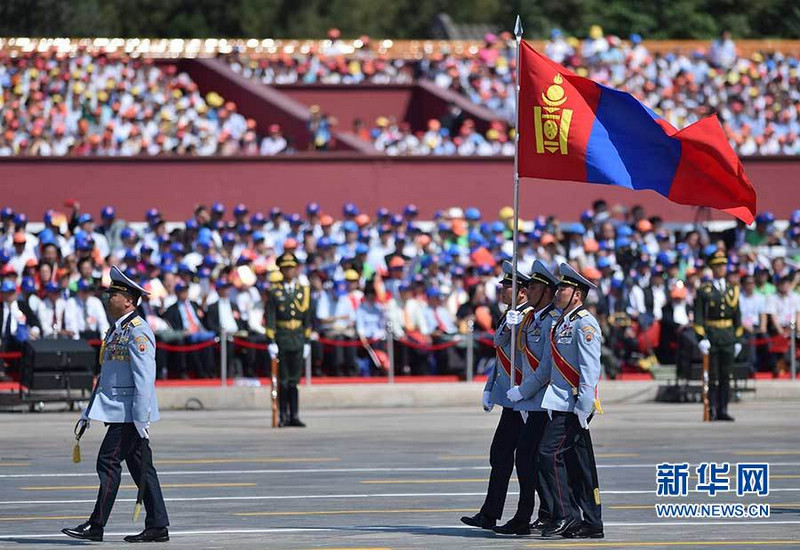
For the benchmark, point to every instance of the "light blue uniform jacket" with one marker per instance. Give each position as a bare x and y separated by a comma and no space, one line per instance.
498,381
578,340
126,388
534,381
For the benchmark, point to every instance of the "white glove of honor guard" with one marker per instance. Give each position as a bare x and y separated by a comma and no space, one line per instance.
514,394
85,418
142,427
737,349
487,401
273,350
306,350
524,415
704,345
583,418
513,318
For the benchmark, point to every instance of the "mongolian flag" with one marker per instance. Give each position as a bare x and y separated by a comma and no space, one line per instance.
573,129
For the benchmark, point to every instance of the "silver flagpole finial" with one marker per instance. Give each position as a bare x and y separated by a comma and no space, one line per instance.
518,28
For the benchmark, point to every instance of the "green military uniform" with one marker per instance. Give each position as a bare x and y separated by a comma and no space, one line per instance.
717,319
288,325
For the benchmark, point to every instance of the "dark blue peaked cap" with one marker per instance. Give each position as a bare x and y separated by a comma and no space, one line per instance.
571,277
508,270
122,283
540,274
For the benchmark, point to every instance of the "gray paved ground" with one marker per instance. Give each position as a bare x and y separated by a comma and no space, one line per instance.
384,478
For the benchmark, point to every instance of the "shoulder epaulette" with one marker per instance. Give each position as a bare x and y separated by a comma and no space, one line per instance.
579,313
136,321
554,314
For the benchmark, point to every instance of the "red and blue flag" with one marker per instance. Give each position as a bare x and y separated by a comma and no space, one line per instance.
574,129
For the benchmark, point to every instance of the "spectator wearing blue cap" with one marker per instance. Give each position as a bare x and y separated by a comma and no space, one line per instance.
84,316
110,227
371,331
224,315
349,211
442,328
186,316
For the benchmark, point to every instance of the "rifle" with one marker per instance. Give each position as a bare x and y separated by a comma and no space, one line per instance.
706,404
274,392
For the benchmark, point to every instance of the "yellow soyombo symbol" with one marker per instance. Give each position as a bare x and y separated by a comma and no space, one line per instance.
551,122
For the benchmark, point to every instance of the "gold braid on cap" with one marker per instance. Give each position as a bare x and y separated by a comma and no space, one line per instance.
540,279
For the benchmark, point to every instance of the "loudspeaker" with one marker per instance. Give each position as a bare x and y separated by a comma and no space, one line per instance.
58,364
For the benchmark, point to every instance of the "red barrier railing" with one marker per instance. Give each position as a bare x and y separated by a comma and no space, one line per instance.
170,347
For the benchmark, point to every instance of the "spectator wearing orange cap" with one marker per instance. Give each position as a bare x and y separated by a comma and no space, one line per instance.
676,318
22,253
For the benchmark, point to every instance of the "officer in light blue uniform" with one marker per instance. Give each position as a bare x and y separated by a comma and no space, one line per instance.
570,397
504,443
527,399
125,400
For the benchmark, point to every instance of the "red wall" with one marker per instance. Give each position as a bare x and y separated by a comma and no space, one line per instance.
175,185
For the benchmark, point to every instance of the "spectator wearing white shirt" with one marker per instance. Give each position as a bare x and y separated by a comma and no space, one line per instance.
51,311
753,308
371,329
84,316
344,326
274,143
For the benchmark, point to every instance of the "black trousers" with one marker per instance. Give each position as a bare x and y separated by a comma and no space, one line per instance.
720,361
583,472
568,465
527,462
501,459
290,366
122,442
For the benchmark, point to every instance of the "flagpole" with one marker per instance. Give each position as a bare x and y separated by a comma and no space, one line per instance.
518,36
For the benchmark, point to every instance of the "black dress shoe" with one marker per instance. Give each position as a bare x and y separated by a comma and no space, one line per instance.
561,528
586,532
514,527
296,423
725,416
85,531
540,525
480,521
150,534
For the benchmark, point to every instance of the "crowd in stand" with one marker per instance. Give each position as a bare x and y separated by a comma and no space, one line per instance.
94,103
453,134
429,283
757,98
91,104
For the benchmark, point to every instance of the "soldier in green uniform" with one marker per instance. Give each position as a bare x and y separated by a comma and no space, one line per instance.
288,327
718,325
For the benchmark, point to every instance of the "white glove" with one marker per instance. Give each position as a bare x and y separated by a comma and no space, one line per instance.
487,401
142,427
273,350
737,349
583,418
550,413
513,318
306,350
704,346
524,415
85,418
514,394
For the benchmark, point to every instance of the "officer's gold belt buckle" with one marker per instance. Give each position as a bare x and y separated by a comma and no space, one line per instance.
720,323
294,324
